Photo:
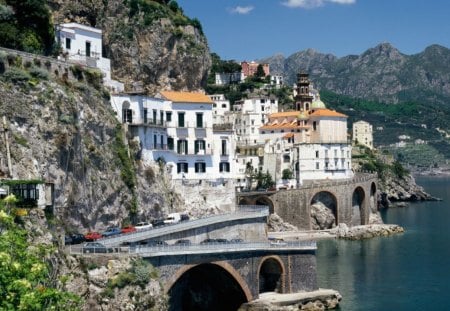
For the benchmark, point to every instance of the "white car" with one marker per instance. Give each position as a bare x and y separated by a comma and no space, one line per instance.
143,225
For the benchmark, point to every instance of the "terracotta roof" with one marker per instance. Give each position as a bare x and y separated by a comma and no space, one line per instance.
327,113
284,114
288,135
186,97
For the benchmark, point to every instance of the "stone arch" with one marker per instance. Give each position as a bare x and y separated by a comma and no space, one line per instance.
271,275
265,200
324,210
373,198
221,268
244,201
358,202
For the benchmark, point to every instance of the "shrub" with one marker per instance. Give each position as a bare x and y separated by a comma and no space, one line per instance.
48,64
27,64
39,73
77,72
37,62
94,77
16,75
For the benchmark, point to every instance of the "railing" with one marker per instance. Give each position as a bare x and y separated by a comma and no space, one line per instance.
186,249
243,212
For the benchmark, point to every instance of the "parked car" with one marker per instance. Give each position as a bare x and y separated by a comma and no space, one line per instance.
128,229
237,240
183,242
184,217
111,231
172,218
74,238
279,242
158,222
96,247
92,236
152,243
208,241
143,225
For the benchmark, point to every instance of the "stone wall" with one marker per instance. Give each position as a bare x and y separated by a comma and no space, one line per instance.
299,269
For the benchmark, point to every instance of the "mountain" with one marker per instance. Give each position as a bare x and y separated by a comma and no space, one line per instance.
381,73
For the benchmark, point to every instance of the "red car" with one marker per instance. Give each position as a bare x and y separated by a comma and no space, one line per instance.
128,229
92,236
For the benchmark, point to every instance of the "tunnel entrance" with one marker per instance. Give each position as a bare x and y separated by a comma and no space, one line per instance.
270,276
206,287
267,202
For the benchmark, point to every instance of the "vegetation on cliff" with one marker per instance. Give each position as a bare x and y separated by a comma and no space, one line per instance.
27,278
26,25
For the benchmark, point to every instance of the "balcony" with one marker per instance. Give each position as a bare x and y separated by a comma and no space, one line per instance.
149,123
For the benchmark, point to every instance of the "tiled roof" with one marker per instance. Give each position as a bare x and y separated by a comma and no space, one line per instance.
284,114
186,97
327,113
288,135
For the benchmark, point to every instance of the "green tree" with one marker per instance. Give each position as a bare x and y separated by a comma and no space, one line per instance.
25,282
286,174
260,71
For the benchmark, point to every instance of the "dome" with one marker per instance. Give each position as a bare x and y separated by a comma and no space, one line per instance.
318,104
302,116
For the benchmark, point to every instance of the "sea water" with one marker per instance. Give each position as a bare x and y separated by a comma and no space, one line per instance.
409,271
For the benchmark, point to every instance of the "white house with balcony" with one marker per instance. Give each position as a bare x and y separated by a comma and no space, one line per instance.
178,127
83,45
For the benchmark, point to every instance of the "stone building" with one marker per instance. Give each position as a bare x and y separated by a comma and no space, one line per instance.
363,134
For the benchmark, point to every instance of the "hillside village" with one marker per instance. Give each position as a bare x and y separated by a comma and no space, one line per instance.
248,145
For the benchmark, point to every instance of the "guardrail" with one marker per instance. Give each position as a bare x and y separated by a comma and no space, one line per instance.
243,212
209,248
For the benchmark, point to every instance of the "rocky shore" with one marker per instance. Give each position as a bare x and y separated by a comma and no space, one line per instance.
321,299
342,231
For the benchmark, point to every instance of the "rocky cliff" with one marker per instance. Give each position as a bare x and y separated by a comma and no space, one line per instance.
149,43
381,73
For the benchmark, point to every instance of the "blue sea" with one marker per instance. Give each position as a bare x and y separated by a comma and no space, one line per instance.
409,271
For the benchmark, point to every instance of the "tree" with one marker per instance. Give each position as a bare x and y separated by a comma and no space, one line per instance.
25,282
286,174
260,71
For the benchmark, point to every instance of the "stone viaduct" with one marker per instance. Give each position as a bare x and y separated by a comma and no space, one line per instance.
350,200
223,281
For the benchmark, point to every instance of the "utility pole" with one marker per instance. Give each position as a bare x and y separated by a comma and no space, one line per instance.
8,153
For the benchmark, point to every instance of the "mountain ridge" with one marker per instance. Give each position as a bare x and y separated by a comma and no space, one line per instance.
381,73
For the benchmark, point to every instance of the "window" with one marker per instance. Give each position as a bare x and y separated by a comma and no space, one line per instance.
180,119
286,158
161,117
145,115
182,168
199,120
200,167
314,125
199,146
155,142
170,143
182,146
335,153
88,49
127,116
169,116
326,153
317,154
253,130
224,147
224,105
224,167
68,43
253,122
317,165
326,165
155,113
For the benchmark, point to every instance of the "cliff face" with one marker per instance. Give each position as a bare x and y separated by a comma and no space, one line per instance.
151,45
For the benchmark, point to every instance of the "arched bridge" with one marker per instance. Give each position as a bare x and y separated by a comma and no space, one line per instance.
349,201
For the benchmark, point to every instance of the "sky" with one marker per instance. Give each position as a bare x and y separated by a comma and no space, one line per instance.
255,29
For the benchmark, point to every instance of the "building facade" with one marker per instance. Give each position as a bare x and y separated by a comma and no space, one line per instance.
363,134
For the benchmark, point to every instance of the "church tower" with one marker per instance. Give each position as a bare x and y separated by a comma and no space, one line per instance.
303,99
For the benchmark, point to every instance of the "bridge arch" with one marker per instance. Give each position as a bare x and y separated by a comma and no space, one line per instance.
319,200
373,198
191,282
244,201
358,202
271,275
265,200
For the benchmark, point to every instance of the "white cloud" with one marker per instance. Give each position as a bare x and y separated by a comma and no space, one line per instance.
242,9
310,4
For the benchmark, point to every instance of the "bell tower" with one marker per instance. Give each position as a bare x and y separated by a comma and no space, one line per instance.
303,99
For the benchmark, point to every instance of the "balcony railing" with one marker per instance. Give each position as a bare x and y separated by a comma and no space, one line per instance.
148,122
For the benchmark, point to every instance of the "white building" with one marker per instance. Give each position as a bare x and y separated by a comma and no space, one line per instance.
225,78
221,107
363,134
312,143
276,80
83,45
178,127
